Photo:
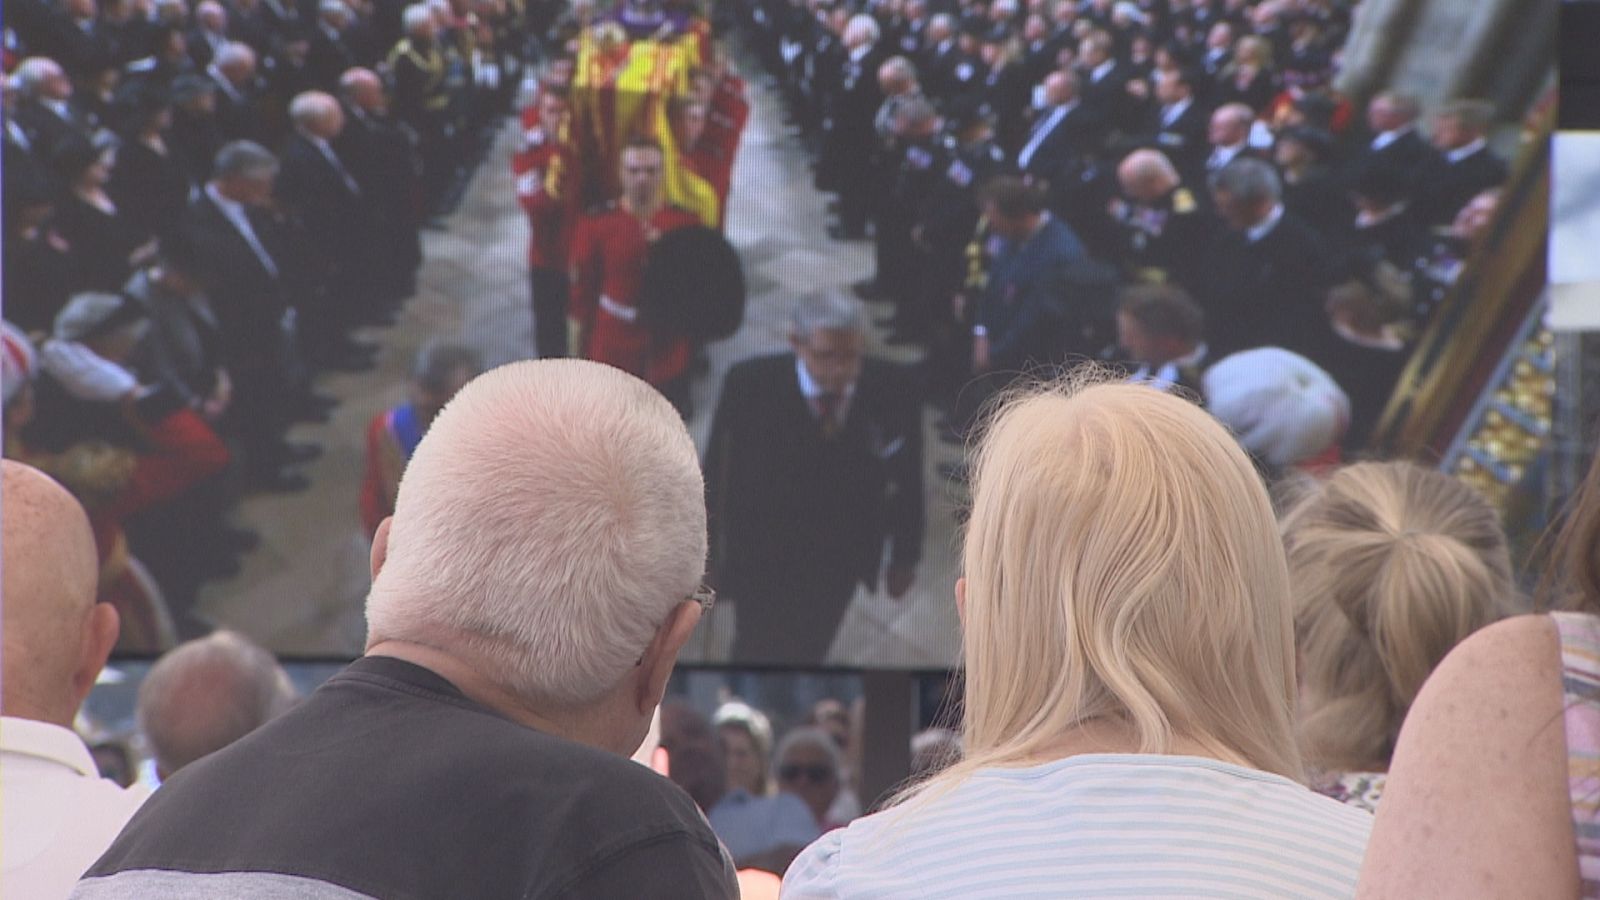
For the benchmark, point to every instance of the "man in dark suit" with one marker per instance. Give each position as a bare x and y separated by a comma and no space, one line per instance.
340,223
1067,131
849,134
1176,124
1268,274
209,34
382,154
45,110
1165,232
1396,144
814,466
1465,167
330,54
1162,332
1105,80
233,71
243,269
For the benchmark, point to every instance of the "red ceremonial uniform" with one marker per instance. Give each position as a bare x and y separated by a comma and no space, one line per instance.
546,165
608,257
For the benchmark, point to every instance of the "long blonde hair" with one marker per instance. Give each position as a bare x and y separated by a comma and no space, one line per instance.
1391,566
1122,562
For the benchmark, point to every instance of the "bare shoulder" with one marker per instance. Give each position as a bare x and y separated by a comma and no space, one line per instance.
1476,803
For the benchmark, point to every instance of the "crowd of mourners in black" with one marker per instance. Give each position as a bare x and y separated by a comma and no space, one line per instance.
203,201
1198,149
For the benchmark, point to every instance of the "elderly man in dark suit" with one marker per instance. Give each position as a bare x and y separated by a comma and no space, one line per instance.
1066,131
243,261
1268,273
814,466
1396,143
382,154
339,220
850,137
1465,167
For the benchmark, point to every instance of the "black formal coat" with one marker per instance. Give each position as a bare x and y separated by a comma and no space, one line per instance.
790,507
151,188
1408,154
101,242
1269,292
1184,140
1075,136
49,129
1449,186
249,300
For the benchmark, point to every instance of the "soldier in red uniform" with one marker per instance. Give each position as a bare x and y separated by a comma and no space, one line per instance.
547,187
608,259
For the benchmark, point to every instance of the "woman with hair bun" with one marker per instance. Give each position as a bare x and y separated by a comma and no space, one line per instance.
1391,566
1130,690
1495,785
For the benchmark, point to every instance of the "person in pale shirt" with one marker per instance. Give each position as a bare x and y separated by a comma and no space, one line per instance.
207,693
1130,688
58,815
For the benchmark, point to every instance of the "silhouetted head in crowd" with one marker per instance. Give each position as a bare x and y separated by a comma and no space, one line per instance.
317,115
828,333
244,172
363,90
1391,565
1284,408
1123,577
1147,176
205,694
1158,323
56,637
237,63
42,78
694,755
1392,111
1246,192
1013,207
545,548
641,163
1230,125
746,737
439,372
897,75
809,765
1460,123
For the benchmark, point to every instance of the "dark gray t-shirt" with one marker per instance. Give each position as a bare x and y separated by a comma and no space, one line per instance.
388,782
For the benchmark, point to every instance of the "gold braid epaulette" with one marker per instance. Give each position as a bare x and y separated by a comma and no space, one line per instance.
977,272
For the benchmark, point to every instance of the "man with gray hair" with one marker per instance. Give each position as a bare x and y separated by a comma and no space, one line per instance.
814,465
207,693
1268,274
1465,166
244,269
529,599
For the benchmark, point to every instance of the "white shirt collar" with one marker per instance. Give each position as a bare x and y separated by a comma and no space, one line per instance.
1266,226
1168,375
1102,70
222,81
1171,113
1386,138
1460,153
811,390
233,209
860,53
48,742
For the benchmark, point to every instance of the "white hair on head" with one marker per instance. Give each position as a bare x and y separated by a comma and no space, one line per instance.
205,694
550,520
32,73
415,16
308,106
865,26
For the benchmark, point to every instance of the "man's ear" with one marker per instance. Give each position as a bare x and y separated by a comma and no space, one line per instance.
961,600
380,546
655,667
100,632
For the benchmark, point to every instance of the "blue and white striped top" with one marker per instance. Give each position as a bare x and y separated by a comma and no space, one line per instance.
1097,826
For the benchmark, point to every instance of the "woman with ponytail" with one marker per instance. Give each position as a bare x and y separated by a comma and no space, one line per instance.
1390,566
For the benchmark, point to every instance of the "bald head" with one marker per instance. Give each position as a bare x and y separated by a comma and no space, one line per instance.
1147,175
1230,125
363,89
56,637
317,114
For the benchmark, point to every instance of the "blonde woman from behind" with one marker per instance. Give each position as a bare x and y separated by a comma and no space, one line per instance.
1129,654
1391,565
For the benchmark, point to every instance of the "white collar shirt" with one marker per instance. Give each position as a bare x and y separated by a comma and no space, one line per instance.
1042,131
326,150
1098,73
1461,153
1173,112
813,392
1166,377
59,815
1266,226
240,219
223,82
17,135
1386,138
1221,156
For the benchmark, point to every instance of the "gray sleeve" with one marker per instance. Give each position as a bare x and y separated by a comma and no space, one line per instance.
670,867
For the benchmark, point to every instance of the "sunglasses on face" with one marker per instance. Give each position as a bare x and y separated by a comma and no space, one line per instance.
813,774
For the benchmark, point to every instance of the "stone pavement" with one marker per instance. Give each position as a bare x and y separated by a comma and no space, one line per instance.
301,593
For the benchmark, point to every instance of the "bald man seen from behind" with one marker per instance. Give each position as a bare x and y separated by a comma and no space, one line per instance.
57,815
530,595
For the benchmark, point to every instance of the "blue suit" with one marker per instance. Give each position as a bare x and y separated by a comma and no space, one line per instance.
1026,308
